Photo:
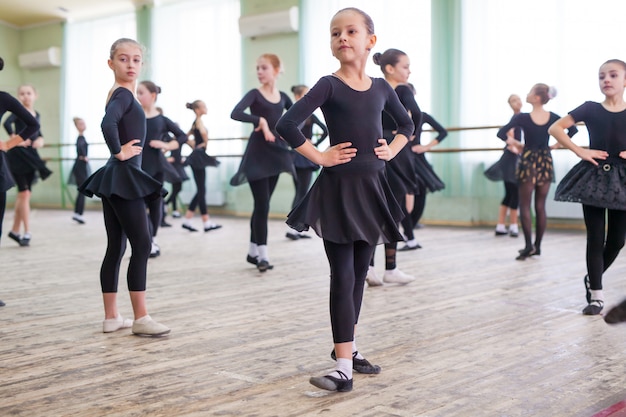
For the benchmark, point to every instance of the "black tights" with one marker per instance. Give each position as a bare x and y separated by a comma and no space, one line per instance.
199,200
420,204
302,183
541,220
390,256
348,268
511,195
600,252
3,204
155,209
125,219
176,188
261,193
79,205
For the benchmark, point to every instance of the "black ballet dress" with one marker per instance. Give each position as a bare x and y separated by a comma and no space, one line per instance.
153,159
536,160
299,161
504,169
199,159
29,127
603,185
81,169
426,176
349,202
262,159
25,160
401,169
124,121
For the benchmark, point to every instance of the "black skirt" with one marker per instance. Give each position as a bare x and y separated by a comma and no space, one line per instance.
504,169
26,160
198,159
349,206
401,174
6,179
79,173
426,176
535,165
599,186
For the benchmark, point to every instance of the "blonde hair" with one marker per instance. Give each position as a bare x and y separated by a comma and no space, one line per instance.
122,41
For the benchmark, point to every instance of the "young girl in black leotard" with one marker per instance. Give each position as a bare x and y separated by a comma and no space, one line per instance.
123,187
30,127
153,162
535,170
599,180
304,167
266,155
81,170
350,205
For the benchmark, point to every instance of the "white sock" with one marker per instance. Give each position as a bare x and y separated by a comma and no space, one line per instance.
354,349
343,365
187,222
411,243
597,295
500,228
143,320
513,228
263,253
208,223
253,250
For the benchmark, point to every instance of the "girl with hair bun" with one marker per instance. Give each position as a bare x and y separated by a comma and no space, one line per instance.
158,129
598,181
535,171
199,160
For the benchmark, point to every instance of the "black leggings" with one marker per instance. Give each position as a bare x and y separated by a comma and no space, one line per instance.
3,204
600,252
511,195
79,206
176,188
302,183
390,256
541,219
348,268
199,200
261,193
420,204
155,209
125,219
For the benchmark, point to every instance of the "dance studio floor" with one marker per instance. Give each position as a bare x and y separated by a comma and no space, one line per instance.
477,334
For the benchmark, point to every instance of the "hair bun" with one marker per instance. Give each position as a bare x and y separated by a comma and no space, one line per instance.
158,89
189,105
1,63
376,58
551,92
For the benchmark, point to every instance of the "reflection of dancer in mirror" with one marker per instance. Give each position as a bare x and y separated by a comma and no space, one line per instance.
81,170
598,181
504,170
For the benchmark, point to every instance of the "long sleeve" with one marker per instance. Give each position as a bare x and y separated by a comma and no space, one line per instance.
429,120
172,127
316,121
238,112
119,104
31,125
399,113
514,122
408,101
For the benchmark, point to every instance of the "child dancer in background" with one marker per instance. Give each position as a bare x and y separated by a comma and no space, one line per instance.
123,185
350,205
198,160
535,172
81,170
25,164
504,170
599,180
266,155
304,167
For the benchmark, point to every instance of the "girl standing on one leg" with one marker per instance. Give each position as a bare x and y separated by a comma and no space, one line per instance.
599,180
350,206
123,187
25,164
158,127
266,155
504,170
535,170
198,160
81,170
304,167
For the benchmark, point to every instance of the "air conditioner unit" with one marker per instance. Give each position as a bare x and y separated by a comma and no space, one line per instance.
283,21
45,58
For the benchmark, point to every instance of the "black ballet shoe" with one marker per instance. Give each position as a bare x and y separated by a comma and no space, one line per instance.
407,247
526,253
304,236
587,288
362,366
15,237
212,227
499,233
593,308
331,383
252,259
617,314
2,304
292,236
264,265
190,228
165,224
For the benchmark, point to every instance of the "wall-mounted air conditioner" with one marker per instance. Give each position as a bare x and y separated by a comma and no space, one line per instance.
283,21
45,58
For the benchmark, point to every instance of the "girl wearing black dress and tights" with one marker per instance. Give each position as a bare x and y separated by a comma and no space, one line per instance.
30,127
25,164
153,162
395,66
266,155
350,205
599,180
198,160
304,167
123,187
535,170
81,170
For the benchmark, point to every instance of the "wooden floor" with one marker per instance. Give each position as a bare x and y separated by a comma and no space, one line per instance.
477,334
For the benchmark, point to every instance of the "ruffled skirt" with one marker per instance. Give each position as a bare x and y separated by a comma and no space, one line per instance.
345,207
426,176
599,186
535,165
504,169
6,179
123,179
24,160
199,159
79,173
401,174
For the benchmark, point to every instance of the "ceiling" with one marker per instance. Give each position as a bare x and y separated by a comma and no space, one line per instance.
26,13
